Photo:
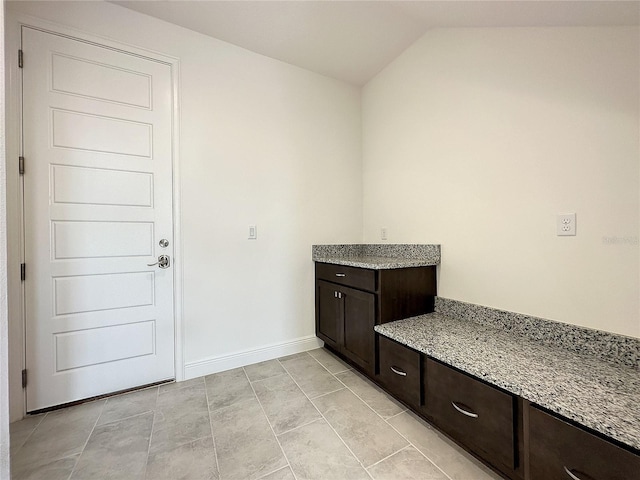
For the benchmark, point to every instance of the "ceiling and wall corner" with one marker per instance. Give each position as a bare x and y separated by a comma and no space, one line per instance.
354,40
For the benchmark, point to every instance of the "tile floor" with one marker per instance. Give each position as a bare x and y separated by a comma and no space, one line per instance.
305,416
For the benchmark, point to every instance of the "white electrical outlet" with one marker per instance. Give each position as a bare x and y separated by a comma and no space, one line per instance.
566,224
383,233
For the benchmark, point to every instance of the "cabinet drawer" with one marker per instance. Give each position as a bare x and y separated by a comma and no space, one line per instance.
476,414
361,278
560,451
399,370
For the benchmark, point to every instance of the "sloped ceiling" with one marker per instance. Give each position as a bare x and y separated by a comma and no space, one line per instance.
353,40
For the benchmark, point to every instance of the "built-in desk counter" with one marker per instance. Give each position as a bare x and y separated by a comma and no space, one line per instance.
600,395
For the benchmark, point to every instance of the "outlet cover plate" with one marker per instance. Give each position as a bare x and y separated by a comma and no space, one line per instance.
566,224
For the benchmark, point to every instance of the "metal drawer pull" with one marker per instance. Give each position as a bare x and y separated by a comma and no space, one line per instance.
466,412
398,372
341,274
575,477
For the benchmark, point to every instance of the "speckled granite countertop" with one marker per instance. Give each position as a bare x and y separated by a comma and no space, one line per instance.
378,256
597,394
375,263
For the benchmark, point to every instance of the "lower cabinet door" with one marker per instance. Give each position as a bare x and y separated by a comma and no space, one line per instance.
328,314
359,319
560,451
478,415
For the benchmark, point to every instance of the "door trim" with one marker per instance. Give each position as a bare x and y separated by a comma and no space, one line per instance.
15,220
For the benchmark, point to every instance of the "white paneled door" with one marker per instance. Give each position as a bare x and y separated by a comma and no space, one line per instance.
97,127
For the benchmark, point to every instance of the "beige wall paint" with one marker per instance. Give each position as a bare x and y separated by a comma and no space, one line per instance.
477,138
261,142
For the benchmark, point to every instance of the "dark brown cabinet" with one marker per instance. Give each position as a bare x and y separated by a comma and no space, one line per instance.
329,323
477,415
345,320
350,301
399,370
561,451
519,440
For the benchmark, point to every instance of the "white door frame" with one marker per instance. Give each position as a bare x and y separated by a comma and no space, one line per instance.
15,199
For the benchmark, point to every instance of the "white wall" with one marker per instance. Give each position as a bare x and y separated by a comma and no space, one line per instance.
261,142
477,138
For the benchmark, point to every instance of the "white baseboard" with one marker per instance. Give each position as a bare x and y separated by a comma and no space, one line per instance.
247,357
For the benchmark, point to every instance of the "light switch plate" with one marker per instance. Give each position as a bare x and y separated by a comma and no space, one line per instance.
253,232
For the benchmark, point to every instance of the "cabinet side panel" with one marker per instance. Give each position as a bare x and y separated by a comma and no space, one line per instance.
406,292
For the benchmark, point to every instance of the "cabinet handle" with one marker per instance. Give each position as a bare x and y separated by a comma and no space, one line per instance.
465,412
575,477
398,372
341,274
339,294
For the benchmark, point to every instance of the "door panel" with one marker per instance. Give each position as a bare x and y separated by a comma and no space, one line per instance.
359,320
97,200
81,131
99,186
88,239
79,76
329,320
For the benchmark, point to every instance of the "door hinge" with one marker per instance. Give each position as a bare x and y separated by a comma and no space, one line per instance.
20,59
23,272
24,378
21,165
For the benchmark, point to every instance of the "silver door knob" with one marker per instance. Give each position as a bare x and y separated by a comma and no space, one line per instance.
163,262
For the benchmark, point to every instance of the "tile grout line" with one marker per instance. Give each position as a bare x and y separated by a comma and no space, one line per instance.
28,436
126,418
322,415
299,426
271,427
396,415
73,470
421,452
400,433
153,427
213,438
389,456
385,420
